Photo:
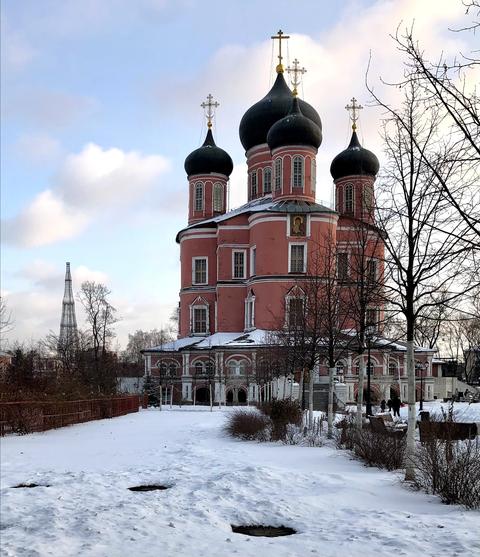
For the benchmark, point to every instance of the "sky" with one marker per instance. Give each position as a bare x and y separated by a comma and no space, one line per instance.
100,105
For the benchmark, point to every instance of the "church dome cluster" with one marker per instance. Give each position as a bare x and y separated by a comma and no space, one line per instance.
354,160
208,159
277,103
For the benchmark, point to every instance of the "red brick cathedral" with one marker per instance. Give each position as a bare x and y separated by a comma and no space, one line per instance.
240,268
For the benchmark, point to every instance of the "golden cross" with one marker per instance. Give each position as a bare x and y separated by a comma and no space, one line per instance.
280,37
209,106
297,73
354,108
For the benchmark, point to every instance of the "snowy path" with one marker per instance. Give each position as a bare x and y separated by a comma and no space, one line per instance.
338,507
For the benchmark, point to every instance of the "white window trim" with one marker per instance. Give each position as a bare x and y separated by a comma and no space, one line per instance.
244,251
263,180
217,186
313,176
280,188
302,177
253,271
287,306
249,301
195,197
345,198
192,322
304,244
252,174
193,270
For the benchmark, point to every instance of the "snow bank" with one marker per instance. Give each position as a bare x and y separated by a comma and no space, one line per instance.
338,507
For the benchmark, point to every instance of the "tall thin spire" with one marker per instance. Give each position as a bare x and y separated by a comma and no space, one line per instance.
68,323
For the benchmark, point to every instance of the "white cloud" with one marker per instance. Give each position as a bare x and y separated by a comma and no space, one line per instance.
93,182
47,219
101,177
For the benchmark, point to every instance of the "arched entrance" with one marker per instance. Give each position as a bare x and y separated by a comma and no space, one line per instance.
230,396
394,391
202,395
242,396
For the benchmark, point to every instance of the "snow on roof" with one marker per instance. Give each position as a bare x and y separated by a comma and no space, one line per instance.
263,204
257,337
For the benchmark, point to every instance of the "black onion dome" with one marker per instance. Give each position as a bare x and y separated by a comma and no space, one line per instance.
354,160
208,158
260,117
294,129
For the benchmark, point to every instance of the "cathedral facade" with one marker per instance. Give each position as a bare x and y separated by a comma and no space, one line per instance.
240,269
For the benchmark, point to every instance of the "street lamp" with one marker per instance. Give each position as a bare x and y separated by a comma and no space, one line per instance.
421,368
369,334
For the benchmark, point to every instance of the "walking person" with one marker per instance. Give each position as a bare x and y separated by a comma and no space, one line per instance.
389,404
382,405
396,406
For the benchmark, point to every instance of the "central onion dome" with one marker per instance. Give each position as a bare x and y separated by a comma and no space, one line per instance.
354,160
260,117
294,129
208,158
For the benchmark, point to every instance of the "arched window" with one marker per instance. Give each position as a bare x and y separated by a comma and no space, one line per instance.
218,197
210,368
314,175
237,367
162,369
348,198
250,312
198,368
172,370
253,185
267,180
199,196
298,165
367,199
278,173
392,367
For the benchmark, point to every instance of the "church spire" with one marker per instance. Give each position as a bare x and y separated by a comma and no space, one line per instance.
68,323
280,36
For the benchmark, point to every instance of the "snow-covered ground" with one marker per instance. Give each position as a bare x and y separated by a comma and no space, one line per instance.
338,507
462,411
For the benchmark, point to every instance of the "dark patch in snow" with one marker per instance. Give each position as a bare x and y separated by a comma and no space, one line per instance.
152,487
29,485
262,530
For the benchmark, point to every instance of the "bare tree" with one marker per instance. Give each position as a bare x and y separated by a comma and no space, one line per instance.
140,340
6,319
426,252
101,315
363,288
448,88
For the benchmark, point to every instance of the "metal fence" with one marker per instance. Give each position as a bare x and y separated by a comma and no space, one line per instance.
30,416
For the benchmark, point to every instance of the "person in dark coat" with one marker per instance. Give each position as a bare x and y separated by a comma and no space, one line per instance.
396,406
389,404
382,405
